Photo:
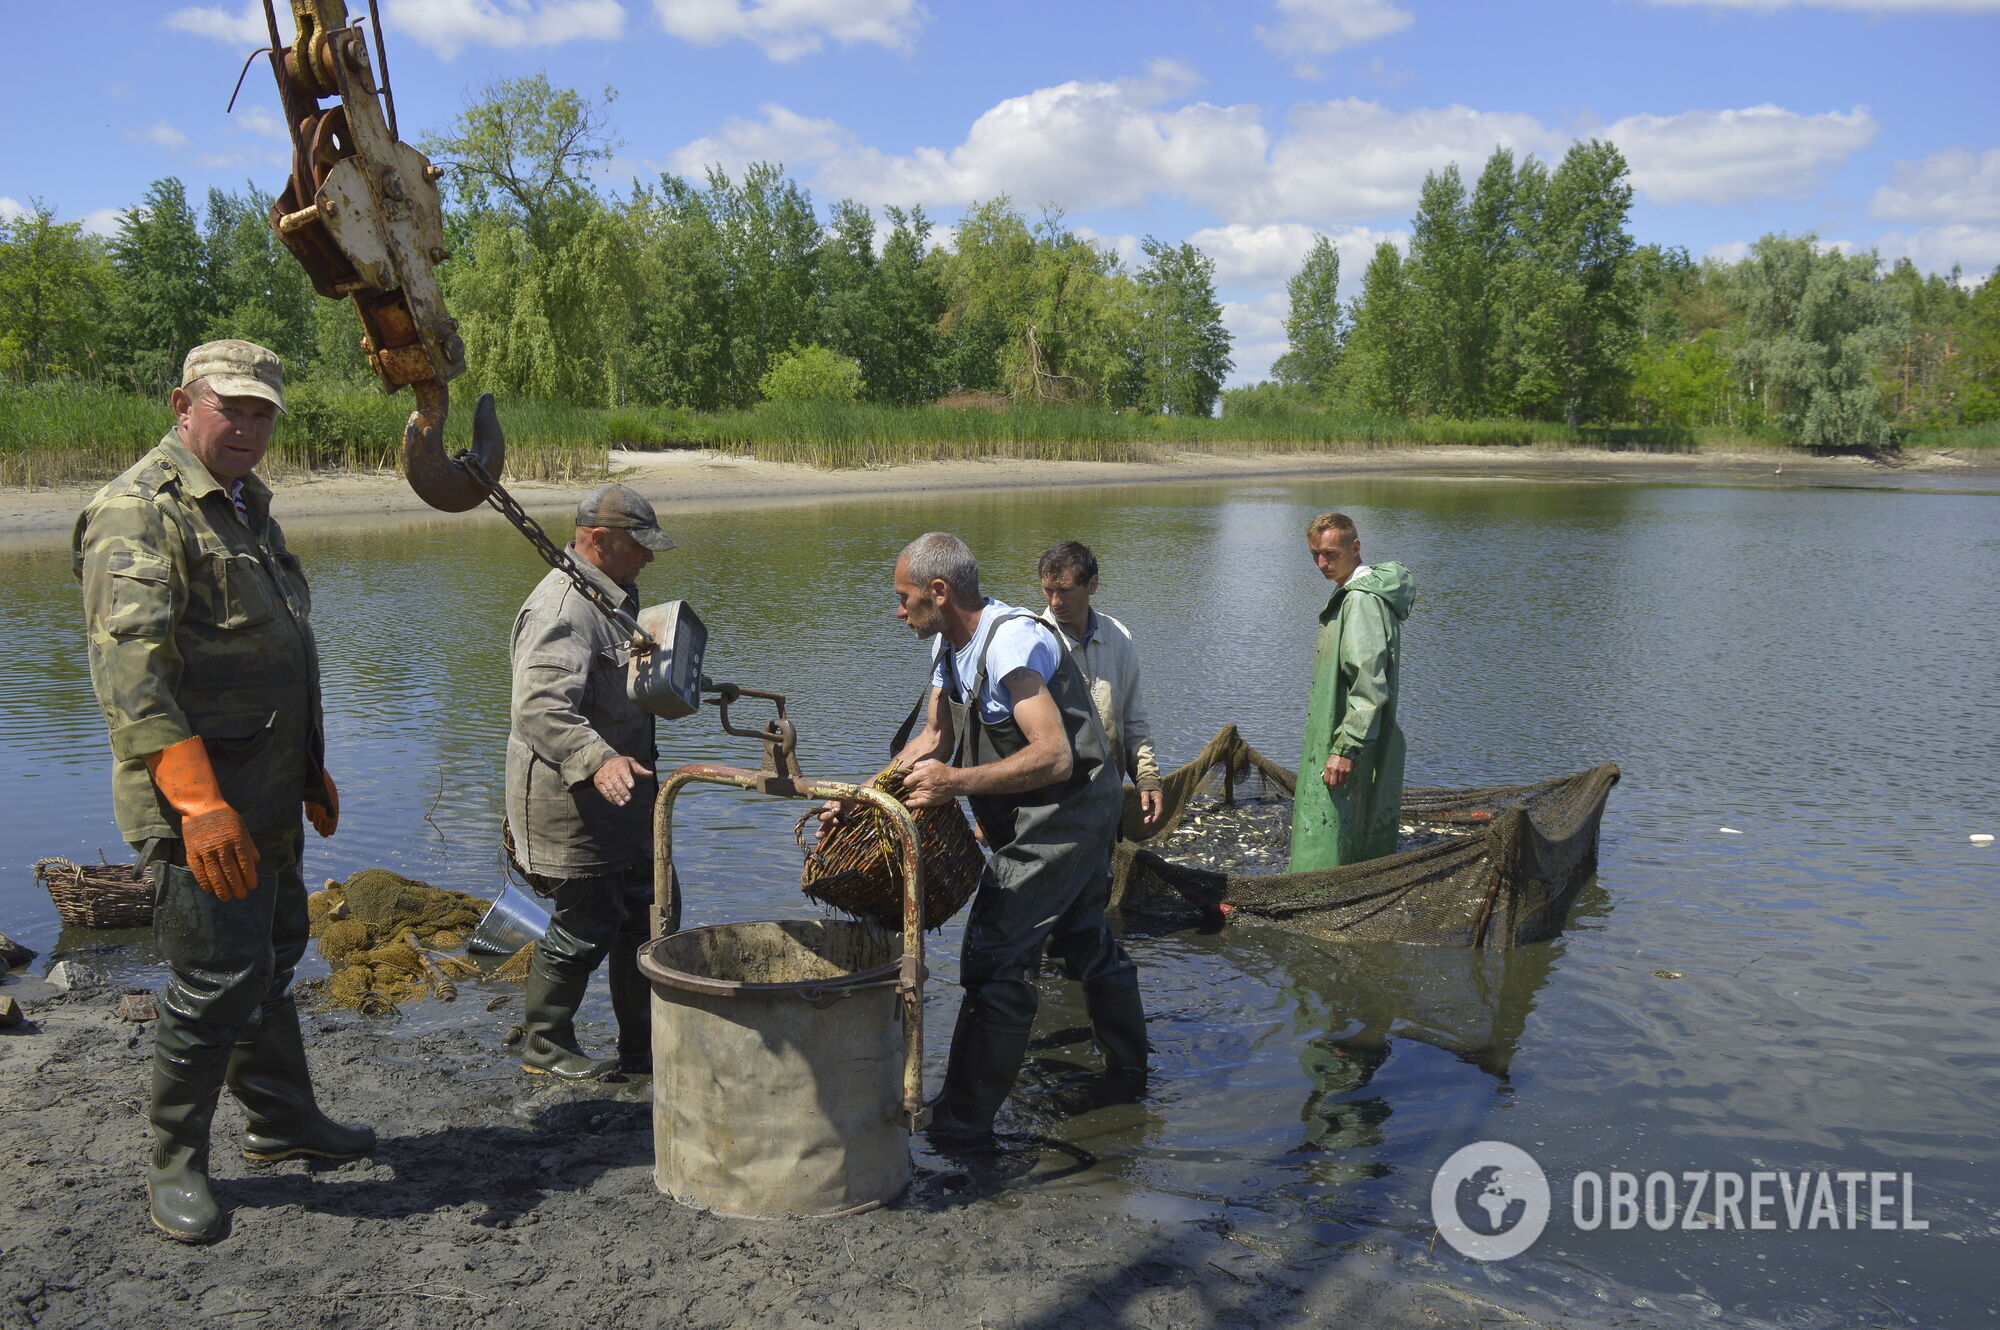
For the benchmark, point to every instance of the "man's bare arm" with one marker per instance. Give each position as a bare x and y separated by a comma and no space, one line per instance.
1045,761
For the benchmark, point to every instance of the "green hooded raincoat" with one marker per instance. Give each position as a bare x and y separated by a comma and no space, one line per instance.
1356,676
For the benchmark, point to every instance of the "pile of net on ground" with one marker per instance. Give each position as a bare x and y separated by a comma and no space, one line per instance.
1495,866
388,939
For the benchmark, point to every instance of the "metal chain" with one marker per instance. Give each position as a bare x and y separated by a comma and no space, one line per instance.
505,504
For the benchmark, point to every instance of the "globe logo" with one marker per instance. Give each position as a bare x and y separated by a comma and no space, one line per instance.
1490,1200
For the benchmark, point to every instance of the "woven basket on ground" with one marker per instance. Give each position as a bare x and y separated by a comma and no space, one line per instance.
856,866
97,895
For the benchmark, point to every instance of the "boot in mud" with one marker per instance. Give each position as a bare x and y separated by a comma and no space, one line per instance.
1118,1019
632,1003
548,1031
267,1073
188,1068
985,1058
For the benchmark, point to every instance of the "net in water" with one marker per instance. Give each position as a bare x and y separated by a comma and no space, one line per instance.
1493,866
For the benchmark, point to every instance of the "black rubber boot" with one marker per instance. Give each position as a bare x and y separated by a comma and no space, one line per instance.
632,1003
268,1075
1118,1019
189,1061
985,1059
548,1031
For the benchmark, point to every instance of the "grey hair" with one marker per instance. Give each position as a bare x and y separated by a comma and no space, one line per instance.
940,556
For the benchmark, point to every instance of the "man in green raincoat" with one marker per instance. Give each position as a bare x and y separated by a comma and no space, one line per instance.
1350,789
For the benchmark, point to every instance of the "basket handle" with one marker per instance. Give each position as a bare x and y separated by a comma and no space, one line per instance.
75,870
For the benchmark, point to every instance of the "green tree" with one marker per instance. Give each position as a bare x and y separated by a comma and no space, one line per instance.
1923,371
1376,369
260,293
1580,324
1313,323
522,147
165,305
770,238
56,287
811,374
909,301
681,334
1979,403
1183,345
1814,324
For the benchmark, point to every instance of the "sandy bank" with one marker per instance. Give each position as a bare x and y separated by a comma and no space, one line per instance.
681,481
501,1201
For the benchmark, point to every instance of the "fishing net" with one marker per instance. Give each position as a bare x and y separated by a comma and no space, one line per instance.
384,935
1495,866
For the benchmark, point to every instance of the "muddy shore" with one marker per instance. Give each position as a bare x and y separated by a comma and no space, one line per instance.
683,481
501,1201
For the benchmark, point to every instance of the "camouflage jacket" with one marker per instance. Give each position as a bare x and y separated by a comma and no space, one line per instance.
198,625
570,715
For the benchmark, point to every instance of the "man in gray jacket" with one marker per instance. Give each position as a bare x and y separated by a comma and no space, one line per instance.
580,784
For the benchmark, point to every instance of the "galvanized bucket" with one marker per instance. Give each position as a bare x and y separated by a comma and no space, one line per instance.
787,1055
777,1067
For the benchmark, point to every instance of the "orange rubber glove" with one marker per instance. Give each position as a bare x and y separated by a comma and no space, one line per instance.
325,817
220,853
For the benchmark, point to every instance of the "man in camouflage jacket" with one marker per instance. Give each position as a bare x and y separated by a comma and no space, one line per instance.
205,667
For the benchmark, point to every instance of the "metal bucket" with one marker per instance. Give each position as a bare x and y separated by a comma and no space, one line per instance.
509,924
778,1061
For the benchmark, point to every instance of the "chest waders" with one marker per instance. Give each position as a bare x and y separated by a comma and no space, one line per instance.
1046,885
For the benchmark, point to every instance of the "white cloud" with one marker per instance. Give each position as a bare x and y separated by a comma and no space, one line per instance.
1354,158
449,26
260,121
1954,185
446,26
1256,335
103,222
788,29
1268,255
1975,250
1084,145
1878,7
1734,156
1321,27
1126,246
160,134
243,27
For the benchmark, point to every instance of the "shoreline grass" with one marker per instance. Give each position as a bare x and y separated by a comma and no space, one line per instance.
71,433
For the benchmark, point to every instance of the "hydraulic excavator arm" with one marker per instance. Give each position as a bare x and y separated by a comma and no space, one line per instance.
361,213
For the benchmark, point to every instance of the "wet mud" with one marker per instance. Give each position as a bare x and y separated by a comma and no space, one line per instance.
499,1200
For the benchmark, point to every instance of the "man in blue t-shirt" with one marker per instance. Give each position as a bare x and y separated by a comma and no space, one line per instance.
1011,727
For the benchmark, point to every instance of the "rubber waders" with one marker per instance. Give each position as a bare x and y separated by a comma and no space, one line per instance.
268,1074
548,1029
1118,1019
985,1058
188,1067
632,1003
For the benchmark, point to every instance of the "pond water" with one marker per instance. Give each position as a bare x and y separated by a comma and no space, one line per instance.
1813,667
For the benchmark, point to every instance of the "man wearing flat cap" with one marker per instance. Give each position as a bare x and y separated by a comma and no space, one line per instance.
205,667
580,790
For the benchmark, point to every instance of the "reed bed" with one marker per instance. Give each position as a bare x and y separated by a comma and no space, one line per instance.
71,433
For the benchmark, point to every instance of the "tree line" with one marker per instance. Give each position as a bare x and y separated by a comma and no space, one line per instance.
672,292
1526,296
1523,296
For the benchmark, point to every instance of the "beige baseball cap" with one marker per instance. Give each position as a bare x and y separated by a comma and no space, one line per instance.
237,369
625,508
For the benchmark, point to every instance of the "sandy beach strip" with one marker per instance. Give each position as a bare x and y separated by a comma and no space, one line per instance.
682,481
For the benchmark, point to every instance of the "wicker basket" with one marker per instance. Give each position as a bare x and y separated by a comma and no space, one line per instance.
857,869
98,895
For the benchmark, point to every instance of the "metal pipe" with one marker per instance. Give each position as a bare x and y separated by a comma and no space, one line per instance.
910,973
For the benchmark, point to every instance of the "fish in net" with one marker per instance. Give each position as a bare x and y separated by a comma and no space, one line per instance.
1490,866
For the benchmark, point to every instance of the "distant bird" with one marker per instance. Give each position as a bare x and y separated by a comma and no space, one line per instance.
1780,470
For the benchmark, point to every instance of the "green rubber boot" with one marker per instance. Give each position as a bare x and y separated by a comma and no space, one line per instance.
269,1077
632,1001
188,1068
548,1030
1118,1019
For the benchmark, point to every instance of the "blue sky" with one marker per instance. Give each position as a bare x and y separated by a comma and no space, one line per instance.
1243,127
